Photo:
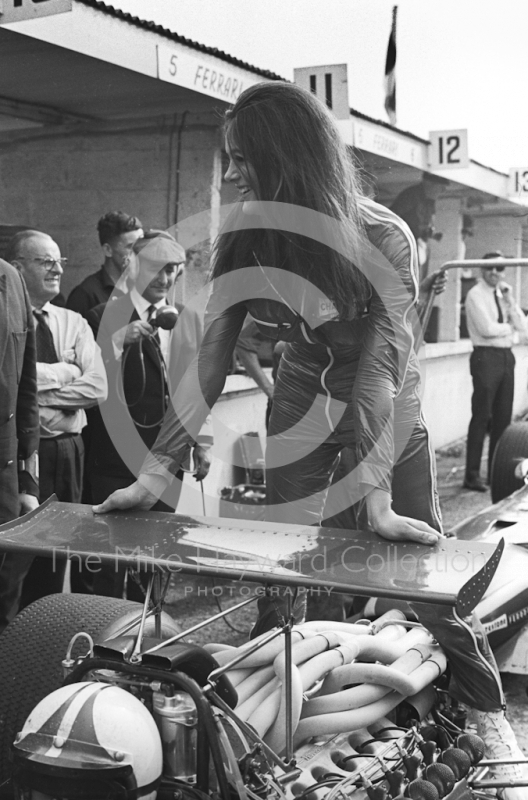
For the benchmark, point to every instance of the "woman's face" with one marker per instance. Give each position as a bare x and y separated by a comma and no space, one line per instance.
241,173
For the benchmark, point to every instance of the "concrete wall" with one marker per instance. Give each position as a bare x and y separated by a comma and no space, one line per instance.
447,388
241,409
62,180
495,232
446,398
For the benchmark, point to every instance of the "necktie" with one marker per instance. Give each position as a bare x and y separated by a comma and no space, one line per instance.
152,310
45,347
499,309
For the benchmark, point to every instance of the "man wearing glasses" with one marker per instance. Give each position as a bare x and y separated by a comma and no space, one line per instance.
70,378
493,316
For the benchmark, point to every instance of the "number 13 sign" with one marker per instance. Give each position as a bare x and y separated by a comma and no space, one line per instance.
448,149
518,182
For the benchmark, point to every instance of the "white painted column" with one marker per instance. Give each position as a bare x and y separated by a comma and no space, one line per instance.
216,189
523,297
448,221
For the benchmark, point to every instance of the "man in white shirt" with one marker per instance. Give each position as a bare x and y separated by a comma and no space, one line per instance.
70,378
493,317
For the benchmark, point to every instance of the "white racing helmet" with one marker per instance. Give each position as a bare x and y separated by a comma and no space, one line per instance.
90,741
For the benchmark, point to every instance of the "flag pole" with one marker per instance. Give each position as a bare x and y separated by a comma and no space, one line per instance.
390,71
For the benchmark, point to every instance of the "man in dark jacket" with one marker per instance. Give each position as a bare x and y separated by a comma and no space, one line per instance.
118,233
136,355
19,427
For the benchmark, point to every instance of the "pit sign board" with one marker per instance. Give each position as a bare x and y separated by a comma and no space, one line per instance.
449,149
189,70
19,10
518,182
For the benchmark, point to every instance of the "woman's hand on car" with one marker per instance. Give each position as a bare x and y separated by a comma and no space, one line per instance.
142,494
394,527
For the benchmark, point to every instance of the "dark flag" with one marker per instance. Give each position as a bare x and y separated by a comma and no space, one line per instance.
390,72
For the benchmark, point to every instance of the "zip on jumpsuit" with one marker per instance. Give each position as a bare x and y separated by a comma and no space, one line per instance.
340,384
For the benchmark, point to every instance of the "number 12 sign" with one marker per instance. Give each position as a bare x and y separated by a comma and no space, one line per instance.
449,149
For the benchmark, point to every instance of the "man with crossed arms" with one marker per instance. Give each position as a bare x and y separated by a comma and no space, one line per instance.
493,317
70,378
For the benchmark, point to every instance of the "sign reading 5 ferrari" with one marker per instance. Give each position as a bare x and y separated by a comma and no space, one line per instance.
18,10
207,76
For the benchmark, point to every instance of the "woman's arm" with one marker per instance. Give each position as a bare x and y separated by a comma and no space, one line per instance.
394,526
387,350
388,343
246,351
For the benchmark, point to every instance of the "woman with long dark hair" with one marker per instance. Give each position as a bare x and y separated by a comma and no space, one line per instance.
334,275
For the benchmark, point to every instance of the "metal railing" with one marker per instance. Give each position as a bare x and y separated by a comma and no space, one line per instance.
425,314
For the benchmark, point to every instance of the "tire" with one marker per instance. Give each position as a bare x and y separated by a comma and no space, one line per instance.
32,648
511,448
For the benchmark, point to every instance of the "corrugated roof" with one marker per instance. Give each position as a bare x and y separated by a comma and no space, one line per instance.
214,51
360,115
492,169
175,37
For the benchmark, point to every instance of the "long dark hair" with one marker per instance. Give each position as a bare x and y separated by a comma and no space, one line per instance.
293,144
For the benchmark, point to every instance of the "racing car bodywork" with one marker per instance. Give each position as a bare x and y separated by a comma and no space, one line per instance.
289,744
504,608
353,562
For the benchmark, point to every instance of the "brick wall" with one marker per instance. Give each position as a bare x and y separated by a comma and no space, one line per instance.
61,180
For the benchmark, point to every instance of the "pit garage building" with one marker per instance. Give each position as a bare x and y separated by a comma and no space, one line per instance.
101,110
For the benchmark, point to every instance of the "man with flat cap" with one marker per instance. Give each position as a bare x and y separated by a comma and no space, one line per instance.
136,344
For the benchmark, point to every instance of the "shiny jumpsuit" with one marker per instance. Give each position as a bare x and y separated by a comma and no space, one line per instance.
340,384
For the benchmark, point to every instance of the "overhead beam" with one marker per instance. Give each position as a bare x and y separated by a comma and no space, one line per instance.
46,115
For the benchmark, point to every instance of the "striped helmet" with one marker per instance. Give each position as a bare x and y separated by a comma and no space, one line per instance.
88,740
